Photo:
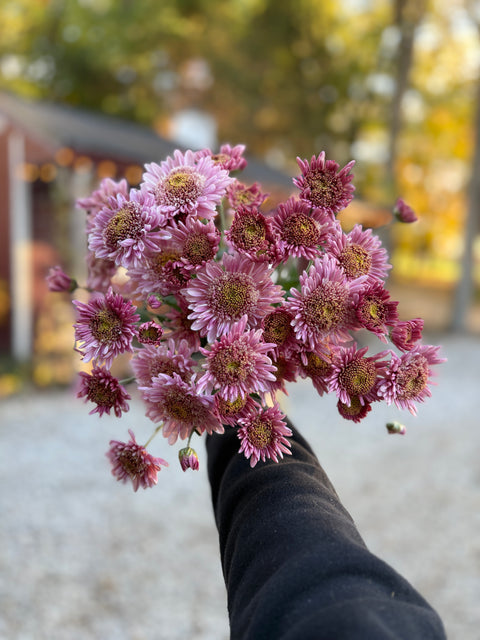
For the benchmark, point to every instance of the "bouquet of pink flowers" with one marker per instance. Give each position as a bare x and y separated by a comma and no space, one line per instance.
222,303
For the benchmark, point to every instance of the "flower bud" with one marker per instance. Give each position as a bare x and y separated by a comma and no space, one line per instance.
58,280
188,459
403,212
396,427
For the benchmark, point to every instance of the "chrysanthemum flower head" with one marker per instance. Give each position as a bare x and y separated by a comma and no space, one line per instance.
150,333
169,357
375,311
104,390
251,233
100,198
406,333
180,406
160,272
324,185
277,328
225,291
230,411
100,272
197,242
316,366
188,459
241,195
323,308
126,228
403,212
229,158
105,327
186,185
59,281
356,410
131,461
237,364
301,229
407,377
264,434
359,253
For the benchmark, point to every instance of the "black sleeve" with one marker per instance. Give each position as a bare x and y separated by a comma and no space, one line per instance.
294,564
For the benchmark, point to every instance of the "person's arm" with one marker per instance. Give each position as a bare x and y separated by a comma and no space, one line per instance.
294,564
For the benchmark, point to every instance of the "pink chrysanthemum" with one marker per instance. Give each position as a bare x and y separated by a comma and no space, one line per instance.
323,308
229,158
197,241
160,271
263,434
126,228
359,253
183,185
239,195
179,325
59,281
355,411
150,333
99,272
251,234
237,364
230,411
375,311
286,371
104,390
301,229
225,291
324,185
403,212
188,459
317,367
131,461
99,198
169,358
405,334
181,408
277,328
105,327
407,377
354,375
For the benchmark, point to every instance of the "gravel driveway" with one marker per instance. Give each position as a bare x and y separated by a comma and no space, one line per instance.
84,557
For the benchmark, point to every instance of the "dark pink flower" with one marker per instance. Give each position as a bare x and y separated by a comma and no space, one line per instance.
59,281
407,377
188,459
131,461
301,229
225,291
323,308
180,406
355,411
237,364
354,375
186,184
239,195
105,327
375,311
160,272
104,390
251,234
317,367
405,334
230,411
263,434
403,212
359,253
197,242
126,228
150,333
324,185
277,328
179,325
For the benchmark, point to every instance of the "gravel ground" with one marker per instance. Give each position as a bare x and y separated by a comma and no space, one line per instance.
84,557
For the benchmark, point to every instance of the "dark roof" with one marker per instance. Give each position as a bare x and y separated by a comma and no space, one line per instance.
98,134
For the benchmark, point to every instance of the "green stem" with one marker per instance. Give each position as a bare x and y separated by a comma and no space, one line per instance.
153,435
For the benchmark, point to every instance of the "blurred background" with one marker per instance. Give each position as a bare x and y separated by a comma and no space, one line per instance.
96,88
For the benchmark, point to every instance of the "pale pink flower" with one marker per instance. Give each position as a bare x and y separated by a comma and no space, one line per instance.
239,195
324,307
264,434
59,281
180,406
105,327
99,198
185,185
131,461
324,185
375,311
188,459
237,364
160,272
354,375
407,377
405,334
225,291
359,253
229,158
197,242
169,357
403,212
126,228
104,390
302,230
